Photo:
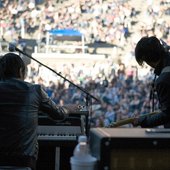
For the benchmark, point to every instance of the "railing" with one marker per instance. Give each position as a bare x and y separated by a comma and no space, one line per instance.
49,48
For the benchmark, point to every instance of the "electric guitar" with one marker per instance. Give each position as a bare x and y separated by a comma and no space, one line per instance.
129,120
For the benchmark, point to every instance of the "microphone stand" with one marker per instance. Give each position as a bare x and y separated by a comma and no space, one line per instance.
88,95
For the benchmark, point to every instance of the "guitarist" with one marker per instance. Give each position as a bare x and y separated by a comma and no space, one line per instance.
155,53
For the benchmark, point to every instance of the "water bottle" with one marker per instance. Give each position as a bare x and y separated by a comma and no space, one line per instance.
82,159
81,149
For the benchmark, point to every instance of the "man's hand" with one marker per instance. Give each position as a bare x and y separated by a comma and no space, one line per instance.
135,122
72,108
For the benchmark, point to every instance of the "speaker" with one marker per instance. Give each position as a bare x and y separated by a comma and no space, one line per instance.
130,148
29,45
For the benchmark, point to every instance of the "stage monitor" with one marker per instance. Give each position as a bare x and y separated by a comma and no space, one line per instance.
130,148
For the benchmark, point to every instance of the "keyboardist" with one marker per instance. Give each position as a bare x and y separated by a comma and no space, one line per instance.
20,103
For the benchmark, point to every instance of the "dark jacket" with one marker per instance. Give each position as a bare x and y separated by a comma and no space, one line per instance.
20,103
163,91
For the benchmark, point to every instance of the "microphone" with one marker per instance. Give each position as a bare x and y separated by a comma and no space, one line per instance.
25,57
13,48
165,45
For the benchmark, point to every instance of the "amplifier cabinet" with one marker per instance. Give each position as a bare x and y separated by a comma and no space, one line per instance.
130,148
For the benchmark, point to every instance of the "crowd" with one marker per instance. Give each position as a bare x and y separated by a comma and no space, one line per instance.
106,21
121,87
120,90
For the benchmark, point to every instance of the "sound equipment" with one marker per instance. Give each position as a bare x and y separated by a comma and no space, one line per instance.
54,133
130,148
54,154
57,141
29,45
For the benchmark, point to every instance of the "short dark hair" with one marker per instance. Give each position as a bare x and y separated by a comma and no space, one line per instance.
148,49
10,66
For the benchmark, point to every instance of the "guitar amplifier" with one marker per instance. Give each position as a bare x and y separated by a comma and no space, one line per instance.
130,148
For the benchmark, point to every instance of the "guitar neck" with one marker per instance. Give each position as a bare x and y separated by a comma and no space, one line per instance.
129,120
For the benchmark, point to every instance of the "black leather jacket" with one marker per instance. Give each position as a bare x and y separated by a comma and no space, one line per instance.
20,103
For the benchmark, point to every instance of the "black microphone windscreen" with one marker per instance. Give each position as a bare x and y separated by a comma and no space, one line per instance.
11,47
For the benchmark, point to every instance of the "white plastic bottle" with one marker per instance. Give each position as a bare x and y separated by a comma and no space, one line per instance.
81,159
82,147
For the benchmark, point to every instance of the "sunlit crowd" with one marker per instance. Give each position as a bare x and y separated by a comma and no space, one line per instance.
122,89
